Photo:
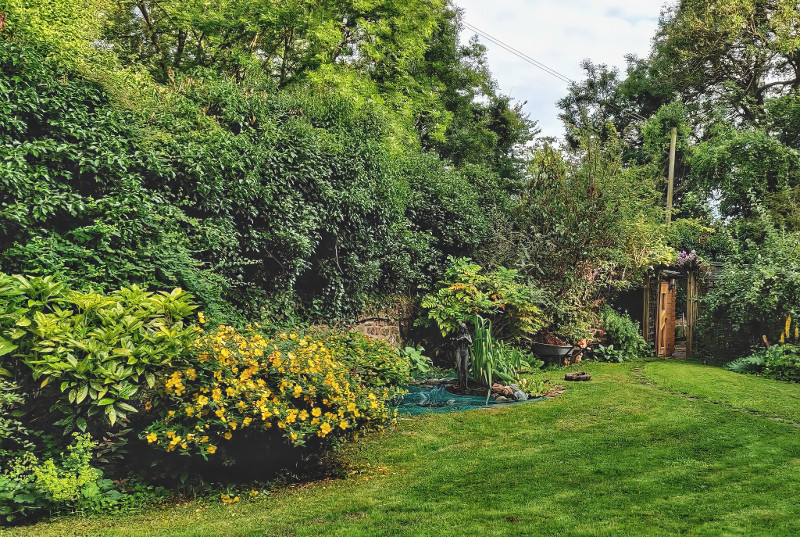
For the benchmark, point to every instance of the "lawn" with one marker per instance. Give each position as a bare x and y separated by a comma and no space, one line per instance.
649,448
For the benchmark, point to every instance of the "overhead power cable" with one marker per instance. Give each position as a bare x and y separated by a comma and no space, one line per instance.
536,63
520,54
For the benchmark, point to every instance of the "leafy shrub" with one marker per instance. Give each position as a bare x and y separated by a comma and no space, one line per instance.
419,363
67,482
14,437
782,362
305,388
88,354
500,295
492,360
747,364
753,293
624,334
607,353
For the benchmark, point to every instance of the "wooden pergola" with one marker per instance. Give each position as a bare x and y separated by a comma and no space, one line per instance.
658,319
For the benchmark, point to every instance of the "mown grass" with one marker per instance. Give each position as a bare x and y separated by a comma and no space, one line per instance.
750,393
614,456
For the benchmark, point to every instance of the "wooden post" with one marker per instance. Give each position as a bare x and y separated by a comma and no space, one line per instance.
691,309
671,177
646,311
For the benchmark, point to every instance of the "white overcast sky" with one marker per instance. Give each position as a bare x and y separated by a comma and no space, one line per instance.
560,34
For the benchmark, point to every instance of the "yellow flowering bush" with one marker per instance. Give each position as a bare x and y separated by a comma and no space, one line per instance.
303,386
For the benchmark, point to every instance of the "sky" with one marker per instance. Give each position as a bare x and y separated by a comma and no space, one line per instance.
559,34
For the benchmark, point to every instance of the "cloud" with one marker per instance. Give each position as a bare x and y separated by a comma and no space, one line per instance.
559,34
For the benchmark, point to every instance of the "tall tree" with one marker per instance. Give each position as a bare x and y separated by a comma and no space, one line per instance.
731,53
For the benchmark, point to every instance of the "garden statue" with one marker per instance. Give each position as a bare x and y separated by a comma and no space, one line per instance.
462,340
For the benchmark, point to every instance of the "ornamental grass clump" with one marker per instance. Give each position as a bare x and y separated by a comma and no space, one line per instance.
304,387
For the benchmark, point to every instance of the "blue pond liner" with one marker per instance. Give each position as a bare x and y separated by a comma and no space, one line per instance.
433,399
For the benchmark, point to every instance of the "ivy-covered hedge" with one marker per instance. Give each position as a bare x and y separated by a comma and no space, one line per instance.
254,200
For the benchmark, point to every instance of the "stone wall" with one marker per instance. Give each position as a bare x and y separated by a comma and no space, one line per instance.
382,328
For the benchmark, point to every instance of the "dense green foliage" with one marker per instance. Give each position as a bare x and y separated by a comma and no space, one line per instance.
625,340
758,287
467,291
84,356
62,483
724,74
491,360
123,365
257,191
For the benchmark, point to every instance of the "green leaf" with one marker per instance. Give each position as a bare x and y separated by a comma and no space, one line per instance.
111,414
126,407
6,346
82,393
81,424
105,401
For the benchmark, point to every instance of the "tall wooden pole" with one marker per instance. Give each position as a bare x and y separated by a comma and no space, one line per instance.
646,311
691,310
671,177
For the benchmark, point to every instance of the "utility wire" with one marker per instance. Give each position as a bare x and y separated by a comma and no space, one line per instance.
519,54
537,63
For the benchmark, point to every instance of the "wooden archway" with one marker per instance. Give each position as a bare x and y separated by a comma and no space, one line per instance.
658,319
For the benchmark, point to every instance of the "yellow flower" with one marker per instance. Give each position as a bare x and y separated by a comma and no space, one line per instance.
316,412
151,438
343,424
228,435
200,317
253,493
191,374
293,436
246,422
325,428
